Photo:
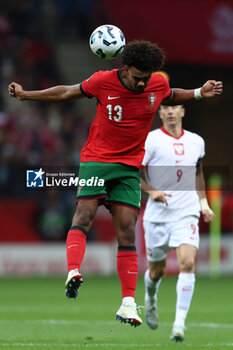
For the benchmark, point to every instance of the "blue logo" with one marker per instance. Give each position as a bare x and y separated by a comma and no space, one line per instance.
35,178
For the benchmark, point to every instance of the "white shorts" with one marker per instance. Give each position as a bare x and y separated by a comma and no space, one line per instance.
160,238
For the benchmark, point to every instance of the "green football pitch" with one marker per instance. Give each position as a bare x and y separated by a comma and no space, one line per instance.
34,314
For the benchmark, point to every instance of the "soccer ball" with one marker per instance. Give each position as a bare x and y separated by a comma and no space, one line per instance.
107,41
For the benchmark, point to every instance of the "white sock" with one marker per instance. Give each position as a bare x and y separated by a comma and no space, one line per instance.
151,286
184,289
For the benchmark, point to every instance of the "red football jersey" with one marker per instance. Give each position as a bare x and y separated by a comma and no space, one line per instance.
123,118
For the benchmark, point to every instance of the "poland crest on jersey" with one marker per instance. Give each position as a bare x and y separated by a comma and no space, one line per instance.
179,148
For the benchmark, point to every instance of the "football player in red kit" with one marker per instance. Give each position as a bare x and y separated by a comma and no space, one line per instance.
127,100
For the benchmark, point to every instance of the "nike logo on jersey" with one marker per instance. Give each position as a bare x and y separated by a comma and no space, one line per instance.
113,97
178,161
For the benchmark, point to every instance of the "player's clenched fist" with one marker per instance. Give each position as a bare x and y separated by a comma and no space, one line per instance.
16,90
212,88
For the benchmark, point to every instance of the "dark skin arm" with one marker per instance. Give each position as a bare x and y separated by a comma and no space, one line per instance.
210,89
60,93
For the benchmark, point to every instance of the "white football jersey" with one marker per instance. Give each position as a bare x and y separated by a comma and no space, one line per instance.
170,166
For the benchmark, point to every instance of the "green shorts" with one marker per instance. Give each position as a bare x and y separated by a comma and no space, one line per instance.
114,183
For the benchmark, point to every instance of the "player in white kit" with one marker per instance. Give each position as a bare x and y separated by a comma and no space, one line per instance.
176,188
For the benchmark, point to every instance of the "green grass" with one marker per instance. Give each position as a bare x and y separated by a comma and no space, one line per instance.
34,314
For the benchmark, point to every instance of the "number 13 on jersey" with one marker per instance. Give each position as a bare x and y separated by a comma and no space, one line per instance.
114,113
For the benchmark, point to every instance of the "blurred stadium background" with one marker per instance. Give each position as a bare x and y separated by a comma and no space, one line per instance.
45,43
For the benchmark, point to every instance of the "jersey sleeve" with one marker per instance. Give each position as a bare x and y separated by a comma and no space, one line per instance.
202,151
90,86
202,148
167,91
148,151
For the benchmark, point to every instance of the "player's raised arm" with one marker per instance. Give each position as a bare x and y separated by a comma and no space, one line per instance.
58,93
210,89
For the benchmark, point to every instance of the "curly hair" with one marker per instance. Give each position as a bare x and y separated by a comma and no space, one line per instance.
143,55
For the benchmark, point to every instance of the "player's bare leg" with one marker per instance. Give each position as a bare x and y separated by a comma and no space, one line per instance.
185,287
76,244
152,279
127,265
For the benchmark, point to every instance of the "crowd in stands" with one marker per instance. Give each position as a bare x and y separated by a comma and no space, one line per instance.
33,134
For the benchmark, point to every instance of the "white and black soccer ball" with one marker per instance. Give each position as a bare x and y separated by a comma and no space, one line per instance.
107,41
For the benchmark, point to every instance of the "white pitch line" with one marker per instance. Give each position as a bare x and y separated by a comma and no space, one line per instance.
104,322
203,324
61,322
108,345
211,325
